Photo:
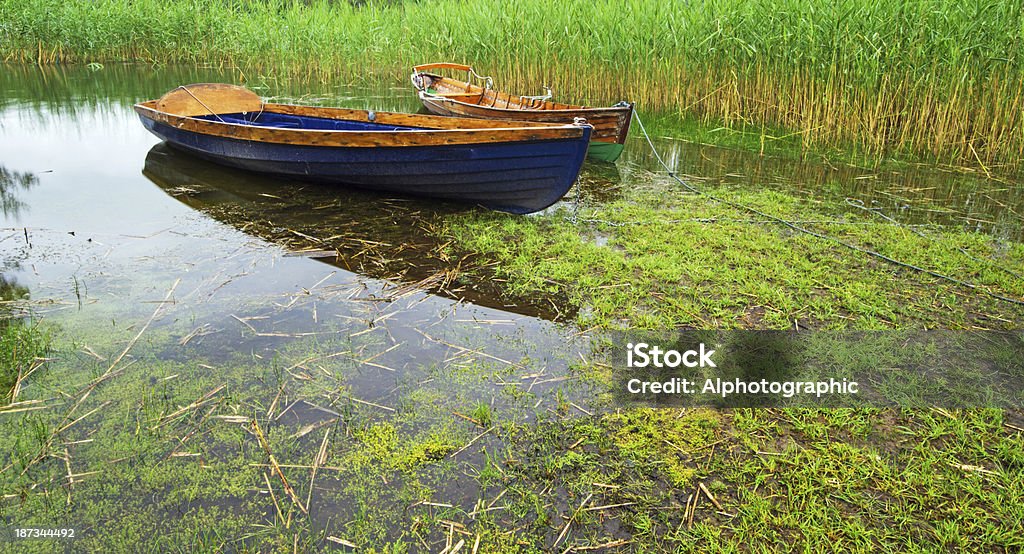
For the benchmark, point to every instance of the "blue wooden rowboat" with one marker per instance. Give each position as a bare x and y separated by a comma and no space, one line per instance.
517,167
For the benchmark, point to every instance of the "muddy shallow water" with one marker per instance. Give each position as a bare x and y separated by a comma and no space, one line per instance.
91,202
99,216
346,295
100,220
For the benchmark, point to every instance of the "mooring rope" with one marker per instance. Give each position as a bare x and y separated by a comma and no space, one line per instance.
798,228
859,204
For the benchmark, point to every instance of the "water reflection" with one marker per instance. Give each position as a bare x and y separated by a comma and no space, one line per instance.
389,238
911,194
11,182
10,291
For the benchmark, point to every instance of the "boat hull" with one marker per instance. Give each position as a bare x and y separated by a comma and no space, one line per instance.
516,176
604,151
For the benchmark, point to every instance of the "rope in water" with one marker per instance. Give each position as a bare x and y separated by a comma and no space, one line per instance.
796,227
859,204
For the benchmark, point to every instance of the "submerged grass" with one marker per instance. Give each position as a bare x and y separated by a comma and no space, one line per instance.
676,260
161,469
23,342
938,77
459,446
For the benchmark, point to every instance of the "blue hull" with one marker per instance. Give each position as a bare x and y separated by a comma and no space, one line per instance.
516,177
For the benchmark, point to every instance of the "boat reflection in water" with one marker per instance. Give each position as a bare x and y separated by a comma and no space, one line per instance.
394,239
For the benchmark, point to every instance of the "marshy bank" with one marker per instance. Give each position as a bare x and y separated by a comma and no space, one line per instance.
939,79
240,363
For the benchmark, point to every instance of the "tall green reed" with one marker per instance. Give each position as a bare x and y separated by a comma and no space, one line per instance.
936,77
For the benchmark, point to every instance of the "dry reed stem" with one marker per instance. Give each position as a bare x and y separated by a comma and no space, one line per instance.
468,444
710,496
277,468
612,544
465,350
342,542
565,530
354,399
197,403
320,459
270,489
16,389
307,429
24,406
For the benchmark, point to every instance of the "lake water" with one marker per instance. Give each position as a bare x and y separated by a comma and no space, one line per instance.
100,220
104,227
104,205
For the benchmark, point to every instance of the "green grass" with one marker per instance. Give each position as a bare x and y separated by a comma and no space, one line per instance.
155,469
23,342
935,77
673,260
21,345
794,480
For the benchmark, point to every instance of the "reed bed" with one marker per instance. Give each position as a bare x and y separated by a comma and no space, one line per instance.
940,78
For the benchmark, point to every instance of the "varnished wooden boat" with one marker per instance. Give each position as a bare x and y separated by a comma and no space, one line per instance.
448,96
518,167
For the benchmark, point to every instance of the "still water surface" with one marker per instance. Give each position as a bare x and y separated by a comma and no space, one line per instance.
99,221
99,218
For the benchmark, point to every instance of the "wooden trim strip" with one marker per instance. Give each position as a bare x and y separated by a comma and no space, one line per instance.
608,127
514,113
465,131
442,65
404,119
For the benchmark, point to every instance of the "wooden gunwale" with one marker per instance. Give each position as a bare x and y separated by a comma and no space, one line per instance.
440,130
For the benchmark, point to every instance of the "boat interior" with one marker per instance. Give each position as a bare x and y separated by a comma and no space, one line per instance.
462,91
288,121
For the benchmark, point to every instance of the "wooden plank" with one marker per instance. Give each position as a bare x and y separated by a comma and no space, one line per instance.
402,119
609,123
209,99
